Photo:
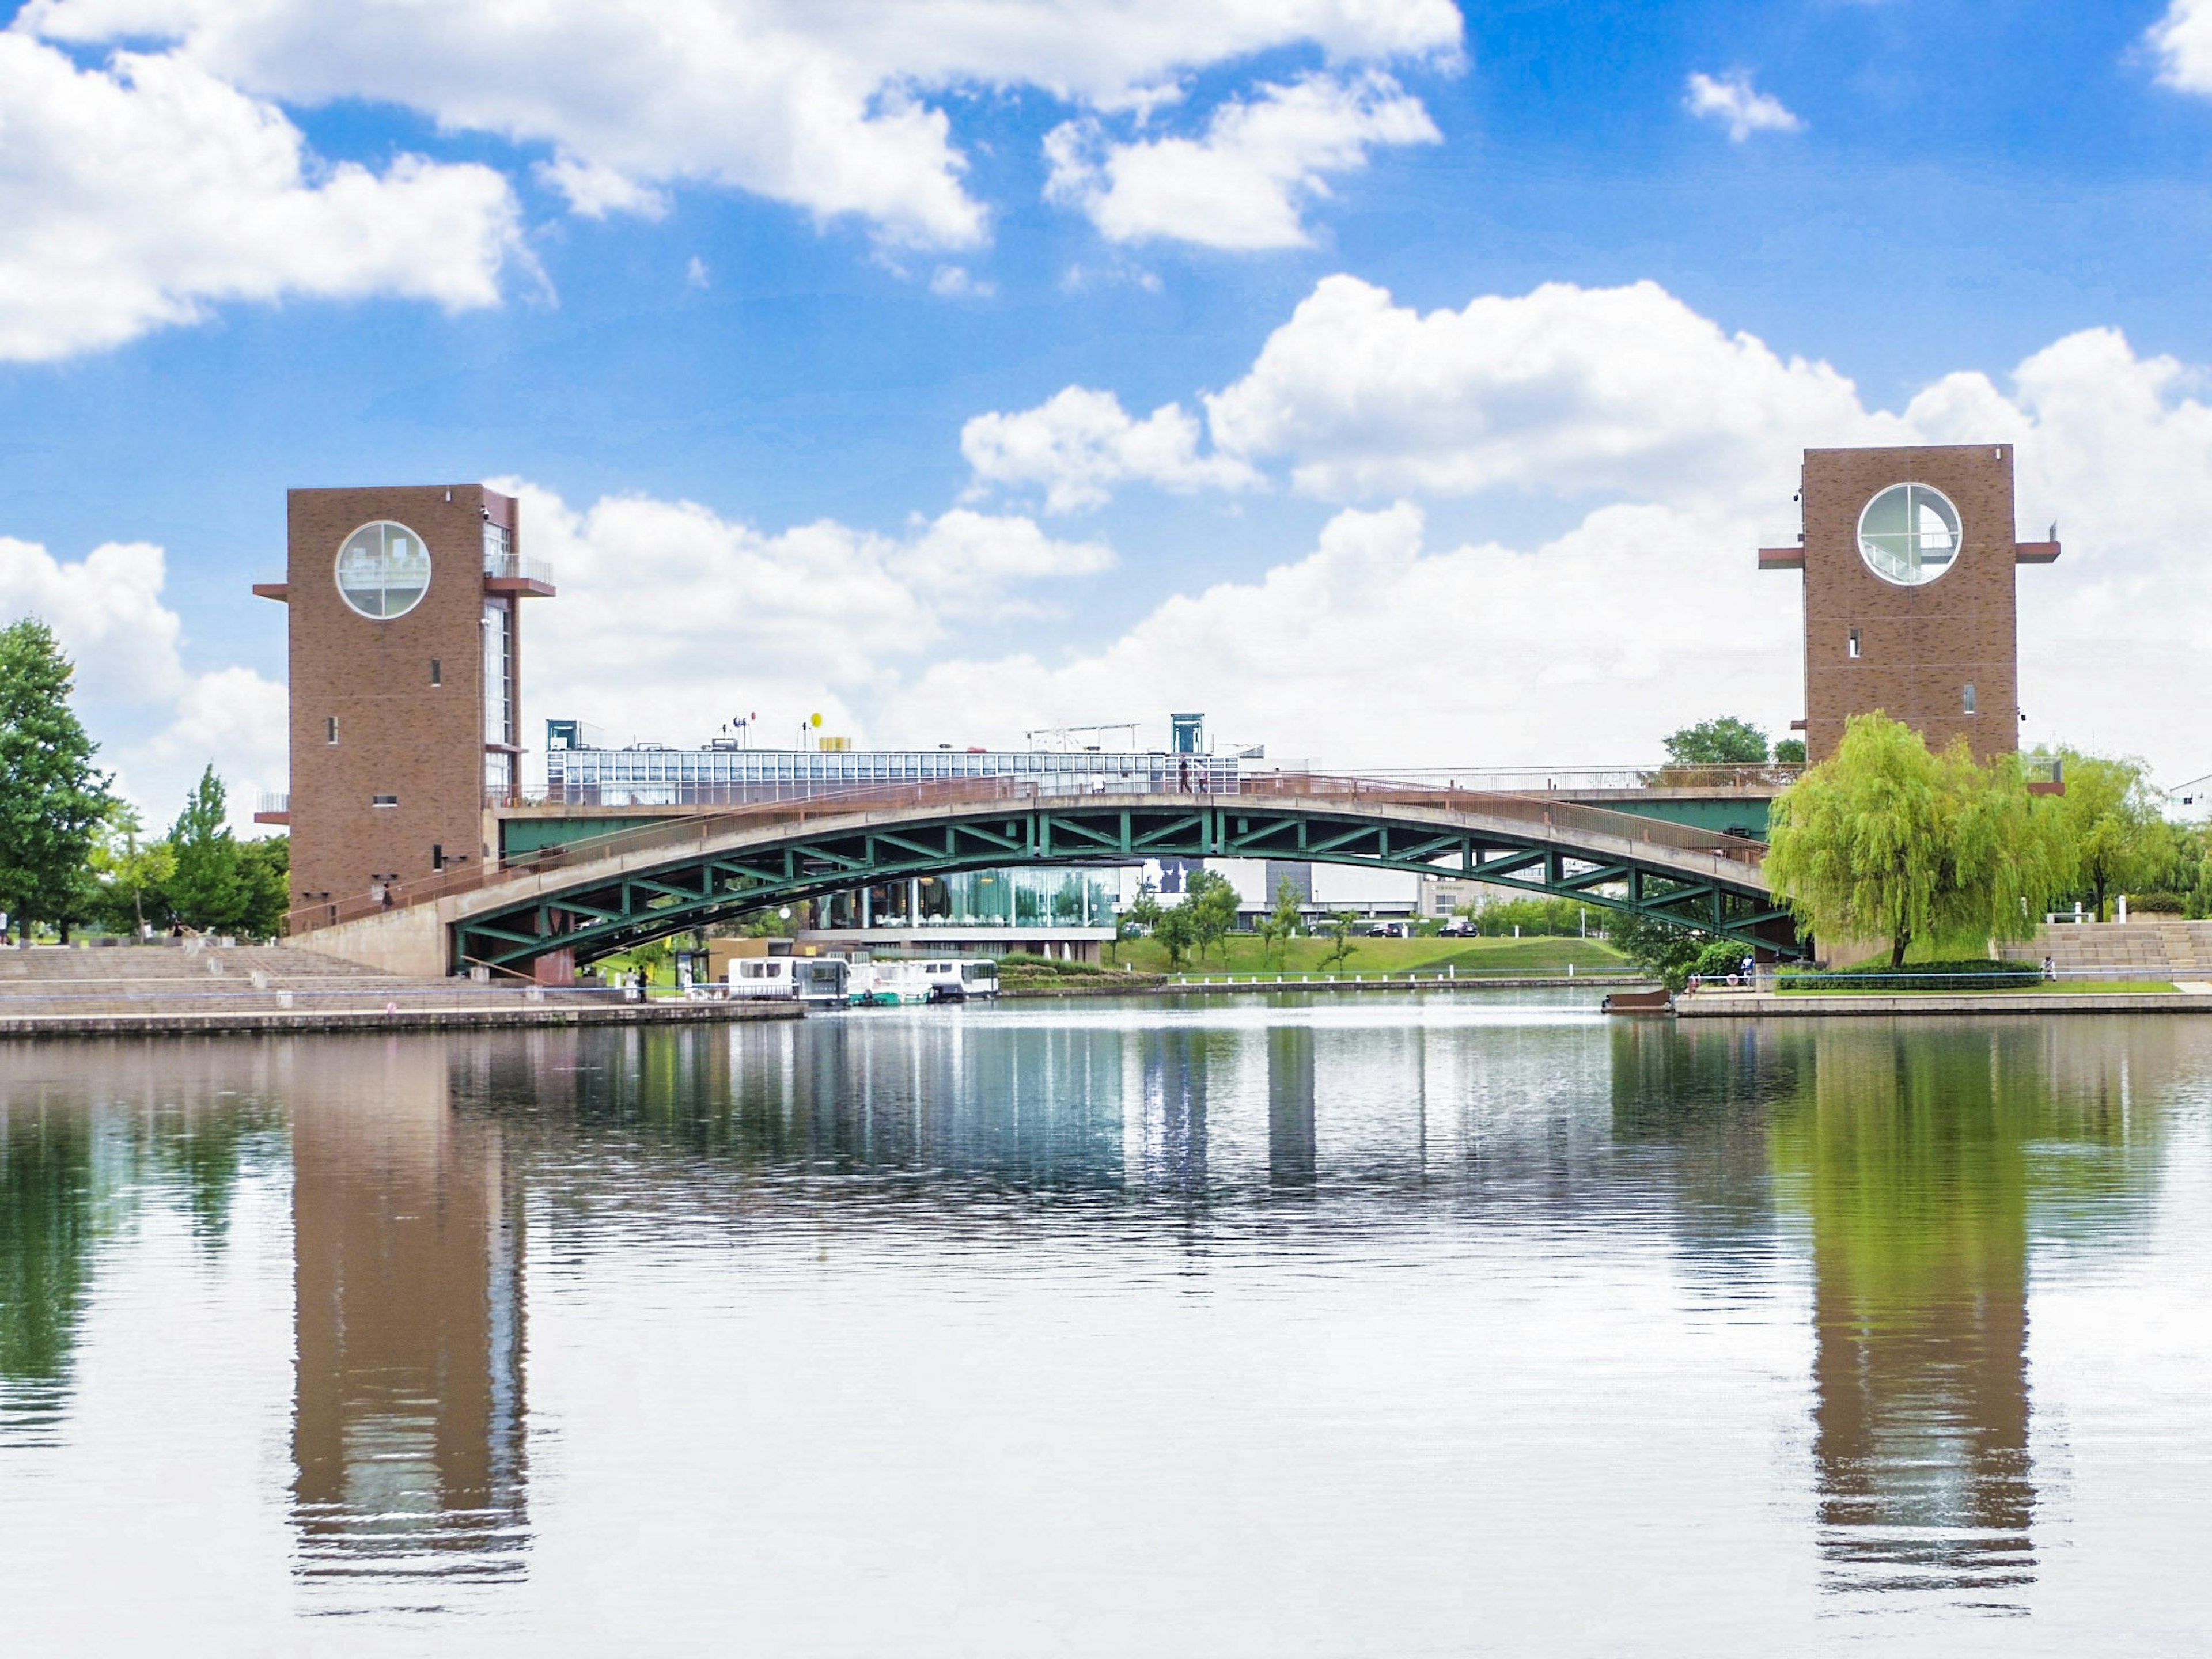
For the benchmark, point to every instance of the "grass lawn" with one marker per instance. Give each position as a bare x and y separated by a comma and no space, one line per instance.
2047,988
1534,957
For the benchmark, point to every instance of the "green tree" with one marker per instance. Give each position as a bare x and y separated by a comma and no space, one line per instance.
51,799
1142,915
1280,925
266,868
1211,898
1726,741
1790,752
2112,819
1174,932
1669,953
208,889
1884,840
1340,926
132,873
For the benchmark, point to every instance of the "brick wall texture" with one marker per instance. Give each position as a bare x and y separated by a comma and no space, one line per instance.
1920,647
397,734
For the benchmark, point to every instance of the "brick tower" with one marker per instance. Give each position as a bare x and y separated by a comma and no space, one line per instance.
1908,555
405,667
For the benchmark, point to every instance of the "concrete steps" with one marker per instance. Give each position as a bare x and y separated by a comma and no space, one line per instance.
2141,949
100,982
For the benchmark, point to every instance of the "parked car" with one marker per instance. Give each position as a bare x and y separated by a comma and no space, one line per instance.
1458,928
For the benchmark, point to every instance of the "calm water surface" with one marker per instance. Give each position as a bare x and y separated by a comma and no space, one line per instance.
1264,1328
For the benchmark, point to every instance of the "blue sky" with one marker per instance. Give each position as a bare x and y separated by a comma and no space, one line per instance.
724,293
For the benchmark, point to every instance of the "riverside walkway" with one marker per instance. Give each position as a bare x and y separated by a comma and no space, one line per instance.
202,988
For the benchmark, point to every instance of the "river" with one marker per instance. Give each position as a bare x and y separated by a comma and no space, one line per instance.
1270,1326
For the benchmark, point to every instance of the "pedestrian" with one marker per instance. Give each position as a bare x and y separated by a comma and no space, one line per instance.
2050,967
1182,776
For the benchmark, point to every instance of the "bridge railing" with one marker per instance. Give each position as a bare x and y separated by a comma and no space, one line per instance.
1765,779
700,828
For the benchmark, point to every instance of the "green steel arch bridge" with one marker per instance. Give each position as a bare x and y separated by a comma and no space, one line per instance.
583,898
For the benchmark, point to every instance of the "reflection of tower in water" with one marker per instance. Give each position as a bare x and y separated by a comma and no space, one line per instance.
408,1430
1910,1157
1289,1106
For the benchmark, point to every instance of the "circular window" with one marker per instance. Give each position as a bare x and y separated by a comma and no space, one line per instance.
1909,534
383,570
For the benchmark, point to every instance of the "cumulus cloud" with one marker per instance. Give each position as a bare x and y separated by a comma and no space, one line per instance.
1564,390
1690,439
818,103
2182,40
672,617
1731,100
954,282
137,195
1244,183
1373,649
157,724
1078,444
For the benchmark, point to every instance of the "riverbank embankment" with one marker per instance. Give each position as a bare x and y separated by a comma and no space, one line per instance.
201,989
1859,1005
1103,985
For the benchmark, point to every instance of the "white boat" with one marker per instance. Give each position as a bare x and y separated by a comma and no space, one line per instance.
943,979
805,979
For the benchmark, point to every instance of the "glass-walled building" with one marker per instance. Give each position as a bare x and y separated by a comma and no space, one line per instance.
1053,911
651,775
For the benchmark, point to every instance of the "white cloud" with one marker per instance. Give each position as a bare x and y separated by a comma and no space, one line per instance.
671,618
135,196
595,191
1245,183
1374,650
157,724
1565,390
231,718
1651,610
1731,100
954,282
817,103
2183,41
1080,443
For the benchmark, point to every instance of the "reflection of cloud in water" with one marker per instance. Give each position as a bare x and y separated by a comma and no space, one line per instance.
408,1427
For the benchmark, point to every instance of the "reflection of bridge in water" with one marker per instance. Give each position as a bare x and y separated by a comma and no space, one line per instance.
1883,1195
1655,852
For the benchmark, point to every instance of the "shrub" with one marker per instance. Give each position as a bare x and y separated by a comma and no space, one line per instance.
2157,904
1719,959
1972,974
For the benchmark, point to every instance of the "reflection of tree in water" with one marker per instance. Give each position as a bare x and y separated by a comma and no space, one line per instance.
46,1239
71,1171
1912,1154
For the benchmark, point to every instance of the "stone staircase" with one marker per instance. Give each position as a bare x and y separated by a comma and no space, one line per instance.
196,977
2140,948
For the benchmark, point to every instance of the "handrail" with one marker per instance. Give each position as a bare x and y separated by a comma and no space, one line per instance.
700,827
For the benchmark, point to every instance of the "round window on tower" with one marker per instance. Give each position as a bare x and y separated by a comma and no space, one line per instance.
1909,534
383,570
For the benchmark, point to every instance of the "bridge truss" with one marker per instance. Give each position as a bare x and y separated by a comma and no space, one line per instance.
594,898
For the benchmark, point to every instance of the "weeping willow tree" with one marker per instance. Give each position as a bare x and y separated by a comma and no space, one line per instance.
1884,839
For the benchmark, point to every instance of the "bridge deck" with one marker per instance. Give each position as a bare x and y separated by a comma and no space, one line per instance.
600,894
